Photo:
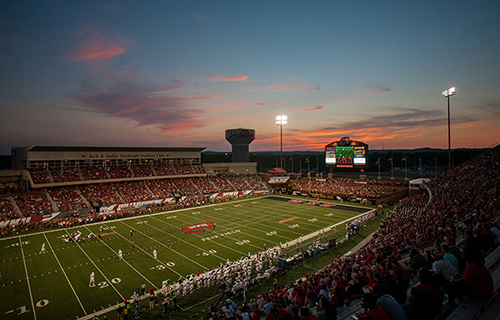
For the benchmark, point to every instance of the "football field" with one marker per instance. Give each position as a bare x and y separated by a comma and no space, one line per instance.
55,284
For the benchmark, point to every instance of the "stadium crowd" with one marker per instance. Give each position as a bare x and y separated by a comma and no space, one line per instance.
462,201
343,187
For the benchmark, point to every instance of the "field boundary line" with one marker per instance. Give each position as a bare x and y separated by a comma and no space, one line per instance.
65,275
163,245
100,271
27,279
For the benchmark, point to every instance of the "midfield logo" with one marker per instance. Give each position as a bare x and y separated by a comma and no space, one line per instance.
198,228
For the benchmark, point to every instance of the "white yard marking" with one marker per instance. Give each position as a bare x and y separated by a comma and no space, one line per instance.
28,280
165,246
85,253
186,242
67,279
127,262
199,237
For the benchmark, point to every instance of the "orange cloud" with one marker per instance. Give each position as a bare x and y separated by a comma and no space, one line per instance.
260,104
220,78
96,47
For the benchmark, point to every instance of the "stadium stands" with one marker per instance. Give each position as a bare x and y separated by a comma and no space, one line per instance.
93,173
106,193
463,198
32,203
164,169
133,191
65,174
144,170
119,171
40,176
67,198
343,187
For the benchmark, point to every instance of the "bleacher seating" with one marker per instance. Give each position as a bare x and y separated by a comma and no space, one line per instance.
133,191
65,174
198,168
106,193
93,173
39,176
222,184
119,171
164,170
67,198
183,168
186,186
239,182
204,185
32,203
142,170
7,210
162,188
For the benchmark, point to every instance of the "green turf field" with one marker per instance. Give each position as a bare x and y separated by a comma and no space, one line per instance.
55,284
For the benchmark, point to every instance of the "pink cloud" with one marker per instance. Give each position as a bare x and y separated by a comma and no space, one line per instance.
279,102
220,78
260,104
96,47
317,108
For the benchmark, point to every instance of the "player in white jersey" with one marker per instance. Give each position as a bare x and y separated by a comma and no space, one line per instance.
120,254
92,278
155,254
42,250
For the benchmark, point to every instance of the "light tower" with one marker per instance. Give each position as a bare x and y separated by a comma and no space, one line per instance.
240,139
448,93
281,121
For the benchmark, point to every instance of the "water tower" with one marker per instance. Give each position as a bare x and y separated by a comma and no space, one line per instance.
240,139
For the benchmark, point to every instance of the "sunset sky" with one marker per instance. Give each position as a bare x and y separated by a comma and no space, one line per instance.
179,73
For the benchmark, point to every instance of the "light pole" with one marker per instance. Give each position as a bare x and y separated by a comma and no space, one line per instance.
448,93
281,121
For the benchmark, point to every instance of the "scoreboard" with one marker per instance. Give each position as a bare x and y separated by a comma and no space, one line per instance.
346,153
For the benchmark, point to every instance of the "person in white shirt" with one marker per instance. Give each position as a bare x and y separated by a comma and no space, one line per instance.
120,254
92,278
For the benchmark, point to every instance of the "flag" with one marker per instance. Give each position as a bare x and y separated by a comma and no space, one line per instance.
378,160
362,170
307,160
390,159
290,159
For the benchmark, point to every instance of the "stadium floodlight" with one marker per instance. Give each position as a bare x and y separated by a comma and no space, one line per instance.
448,93
281,121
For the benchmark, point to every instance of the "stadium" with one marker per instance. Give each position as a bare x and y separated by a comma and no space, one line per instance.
154,232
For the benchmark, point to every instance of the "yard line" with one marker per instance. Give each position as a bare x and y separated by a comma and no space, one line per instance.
62,269
27,279
159,220
92,261
137,271
185,241
163,245
138,247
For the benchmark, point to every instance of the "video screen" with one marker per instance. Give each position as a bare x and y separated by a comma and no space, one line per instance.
346,155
